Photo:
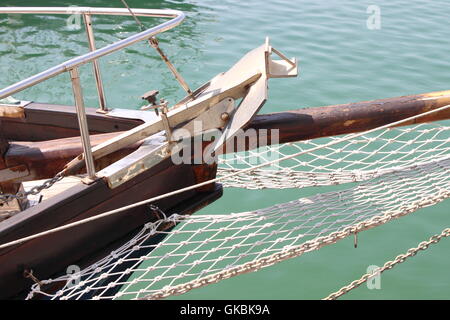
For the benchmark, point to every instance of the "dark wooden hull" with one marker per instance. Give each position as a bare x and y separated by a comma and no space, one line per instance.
41,122
50,255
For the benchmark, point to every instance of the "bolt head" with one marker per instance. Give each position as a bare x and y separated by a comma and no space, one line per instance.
225,116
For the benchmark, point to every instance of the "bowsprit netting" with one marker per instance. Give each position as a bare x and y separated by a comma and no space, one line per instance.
383,176
352,160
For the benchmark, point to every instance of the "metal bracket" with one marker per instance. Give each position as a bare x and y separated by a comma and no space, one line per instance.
150,96
281,68
214,118
257,60
155,148
166,125
247,79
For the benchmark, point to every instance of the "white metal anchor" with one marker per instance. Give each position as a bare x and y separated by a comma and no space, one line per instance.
212,104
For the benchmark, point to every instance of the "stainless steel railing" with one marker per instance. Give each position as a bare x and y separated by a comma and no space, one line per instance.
72,65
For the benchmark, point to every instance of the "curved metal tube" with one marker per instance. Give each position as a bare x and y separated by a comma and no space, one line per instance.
177,18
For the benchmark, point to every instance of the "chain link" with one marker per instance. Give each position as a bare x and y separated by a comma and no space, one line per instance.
390,264
5,198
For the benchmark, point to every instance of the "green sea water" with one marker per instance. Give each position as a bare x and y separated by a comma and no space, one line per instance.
341,60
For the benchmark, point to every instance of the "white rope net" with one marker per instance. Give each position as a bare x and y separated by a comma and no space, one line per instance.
380,176
352,160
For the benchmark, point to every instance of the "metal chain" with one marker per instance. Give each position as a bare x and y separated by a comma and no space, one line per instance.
5,198
390,264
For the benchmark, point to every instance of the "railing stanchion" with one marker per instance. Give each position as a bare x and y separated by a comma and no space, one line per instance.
98,80
176,18
82,121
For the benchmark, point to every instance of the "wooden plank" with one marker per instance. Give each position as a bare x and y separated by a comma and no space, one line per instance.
11,112
47,121
59,187
25,131
65,116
